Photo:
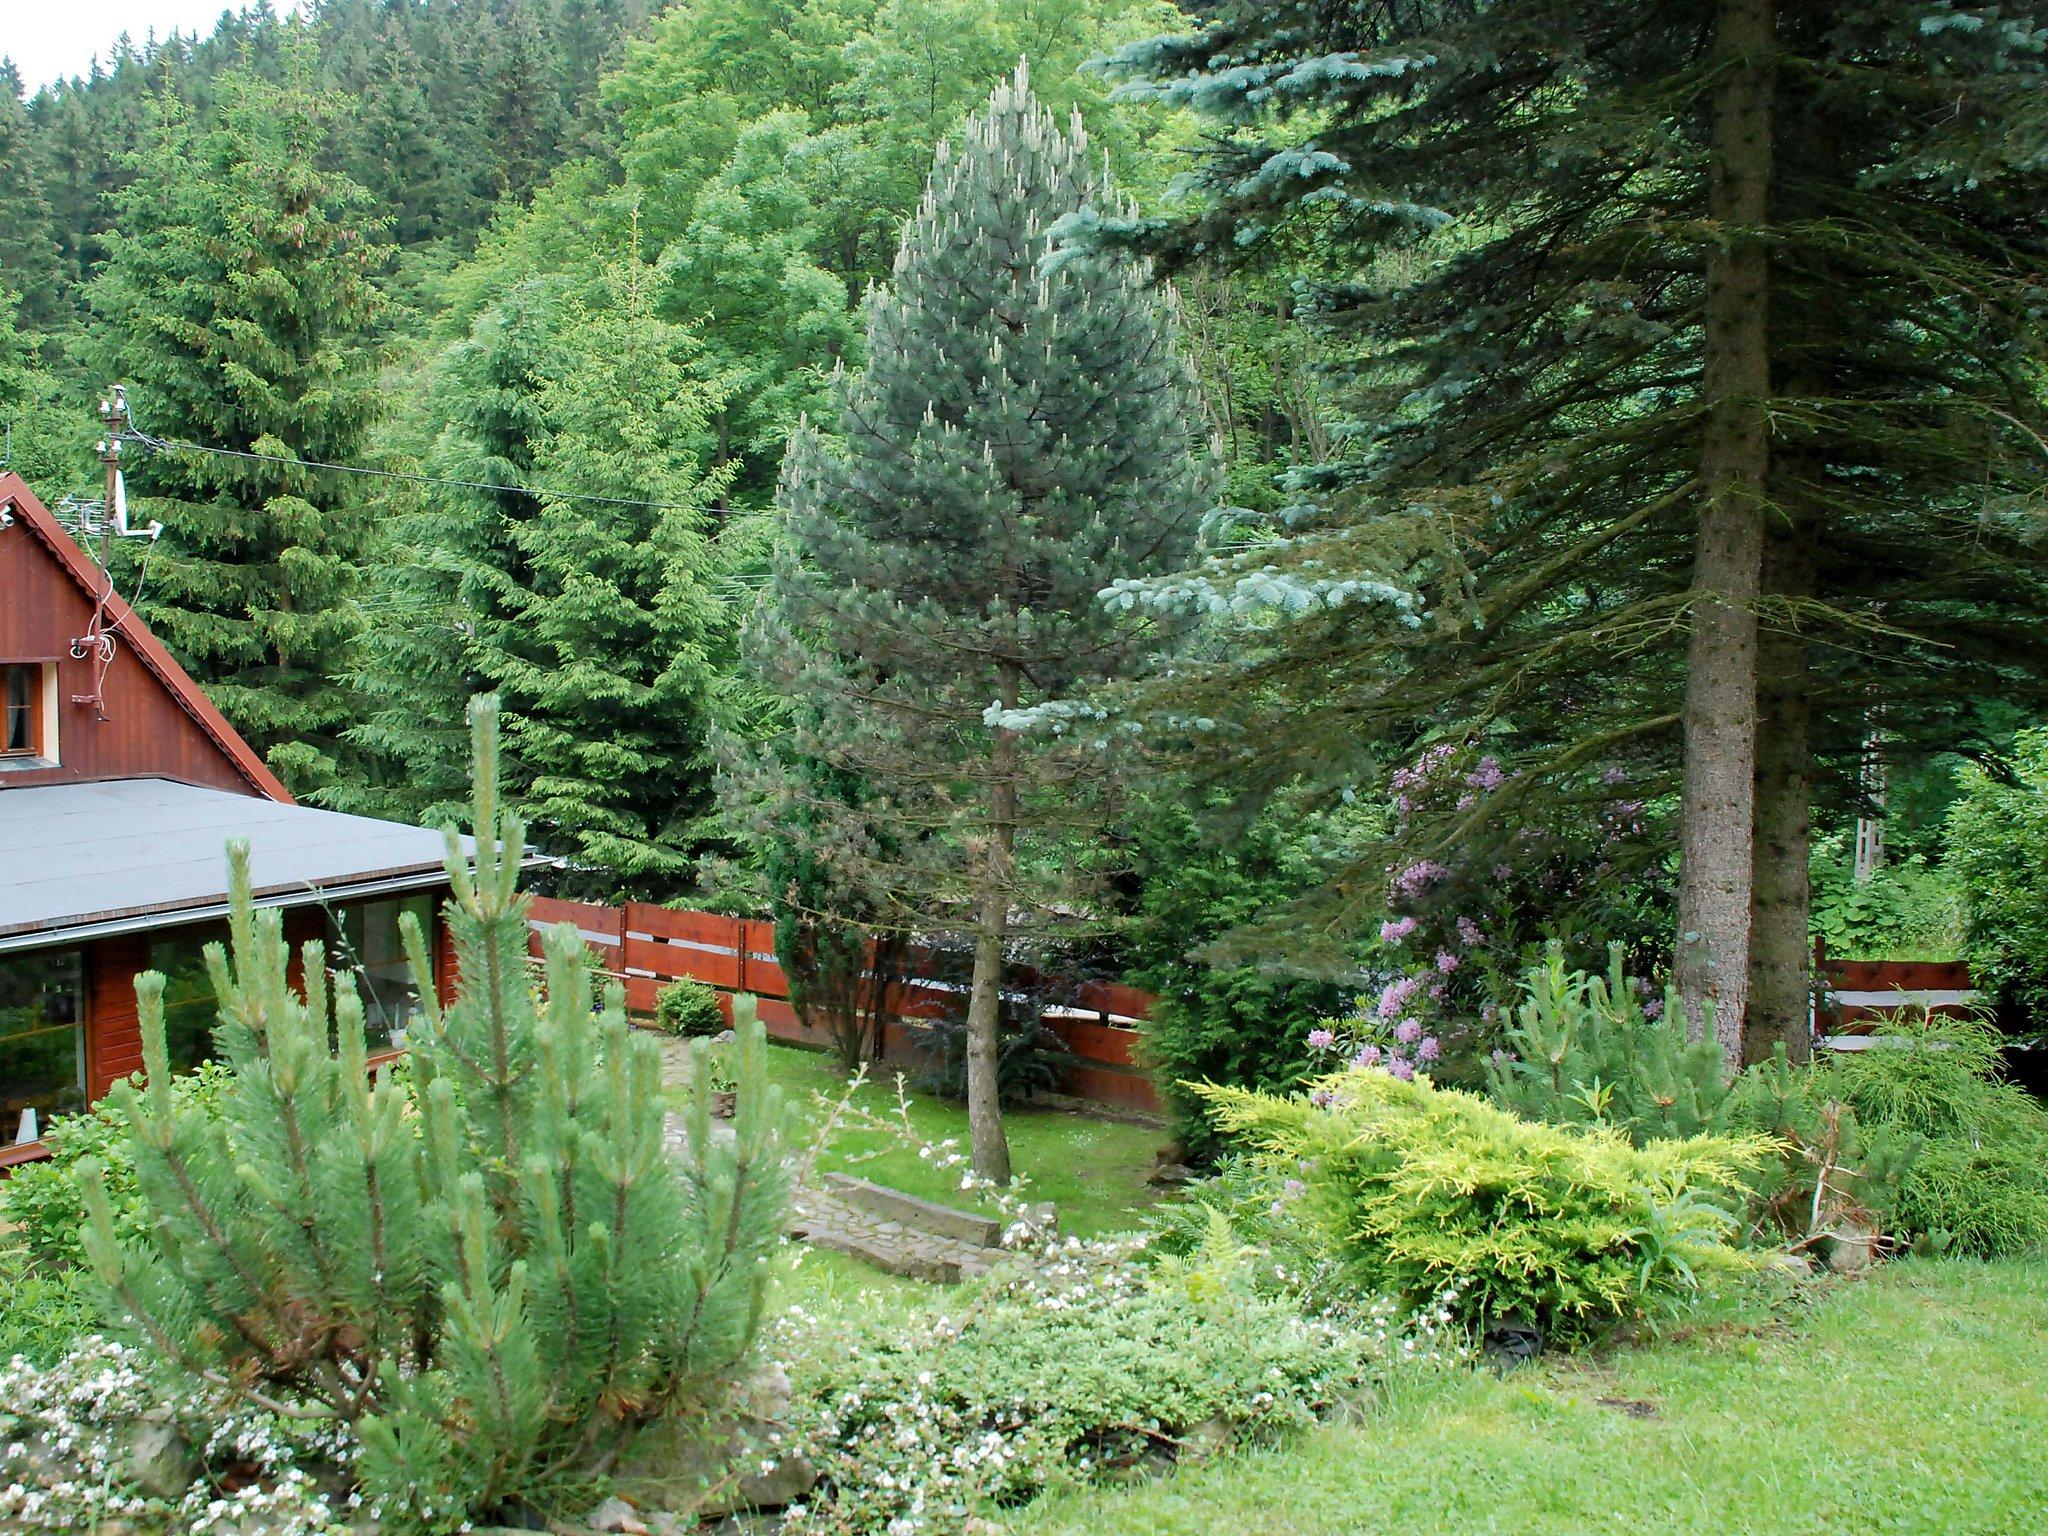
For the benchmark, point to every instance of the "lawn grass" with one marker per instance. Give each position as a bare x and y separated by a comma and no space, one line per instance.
1913,1401
1094,1170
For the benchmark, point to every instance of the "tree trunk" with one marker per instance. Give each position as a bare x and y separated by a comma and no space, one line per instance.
1781,951
991,1151
1716,831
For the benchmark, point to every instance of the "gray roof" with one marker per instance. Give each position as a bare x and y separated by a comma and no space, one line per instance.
122,854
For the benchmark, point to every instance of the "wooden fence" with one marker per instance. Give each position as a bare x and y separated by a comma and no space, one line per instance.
648,946
1857,997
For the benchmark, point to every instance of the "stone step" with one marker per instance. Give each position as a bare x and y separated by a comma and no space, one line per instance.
923,1215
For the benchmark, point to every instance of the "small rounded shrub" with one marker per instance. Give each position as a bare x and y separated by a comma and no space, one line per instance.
689,1008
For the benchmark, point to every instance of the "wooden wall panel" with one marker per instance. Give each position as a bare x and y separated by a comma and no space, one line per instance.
113,1032
146,732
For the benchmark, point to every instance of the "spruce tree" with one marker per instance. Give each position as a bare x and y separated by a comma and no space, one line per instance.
30,264
610,650
1688,355
603,617
236,302
1017,435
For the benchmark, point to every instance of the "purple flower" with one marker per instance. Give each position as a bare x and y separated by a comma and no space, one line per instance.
1368,1056
1293,1188
1408,1031
1615,774
1321,1039
1418,877
1396,995
1401,1069
1395,929
1503,871
1428,1050
1487,775
1446,962
1654,1008
1322,1098
1469,933
1501,1058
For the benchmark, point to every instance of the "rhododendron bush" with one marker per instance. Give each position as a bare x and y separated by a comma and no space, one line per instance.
1490,874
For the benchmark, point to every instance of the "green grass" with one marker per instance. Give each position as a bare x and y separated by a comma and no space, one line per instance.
1094,1170
1915,1401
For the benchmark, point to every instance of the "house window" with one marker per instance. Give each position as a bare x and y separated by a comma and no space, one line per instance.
365,942
27,729
42,1040
190,1007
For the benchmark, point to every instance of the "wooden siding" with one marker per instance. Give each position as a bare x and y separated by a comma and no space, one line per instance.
158,722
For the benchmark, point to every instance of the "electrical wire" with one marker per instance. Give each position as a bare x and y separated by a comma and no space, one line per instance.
162,444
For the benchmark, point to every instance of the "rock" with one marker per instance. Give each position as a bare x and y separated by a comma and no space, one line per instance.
1173,1174
1206,1438
722,1465
157,1457
724,1037
1851,1247
615,1514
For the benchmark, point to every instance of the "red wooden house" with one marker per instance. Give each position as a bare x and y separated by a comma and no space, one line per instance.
120,785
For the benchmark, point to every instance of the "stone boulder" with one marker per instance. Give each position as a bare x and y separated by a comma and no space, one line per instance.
721,1465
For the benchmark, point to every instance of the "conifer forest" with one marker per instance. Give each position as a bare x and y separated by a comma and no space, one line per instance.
1381,667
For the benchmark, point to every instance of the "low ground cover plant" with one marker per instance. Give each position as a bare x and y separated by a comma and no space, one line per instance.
1086,1361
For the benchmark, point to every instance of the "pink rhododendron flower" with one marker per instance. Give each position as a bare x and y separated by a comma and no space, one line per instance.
1408,1031
1396,996
1446,962
1395,929
1401,1069
1321,1039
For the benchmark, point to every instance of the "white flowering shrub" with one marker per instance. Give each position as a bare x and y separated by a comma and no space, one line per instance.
68,1461
1082,1360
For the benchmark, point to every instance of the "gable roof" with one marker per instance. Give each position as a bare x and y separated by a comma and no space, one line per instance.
75,564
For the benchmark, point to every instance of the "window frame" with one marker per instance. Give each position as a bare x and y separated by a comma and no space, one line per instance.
40,708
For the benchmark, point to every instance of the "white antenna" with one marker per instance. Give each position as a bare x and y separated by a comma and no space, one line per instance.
98,641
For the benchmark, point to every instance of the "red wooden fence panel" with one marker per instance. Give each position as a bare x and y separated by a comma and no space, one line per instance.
650,946
1859,996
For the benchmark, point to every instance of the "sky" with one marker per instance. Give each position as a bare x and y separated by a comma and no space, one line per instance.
53,39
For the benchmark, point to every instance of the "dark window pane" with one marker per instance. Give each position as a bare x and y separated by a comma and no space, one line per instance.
190,1007
42,1040
366,945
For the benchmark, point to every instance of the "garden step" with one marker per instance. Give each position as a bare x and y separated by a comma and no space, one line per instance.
921,1215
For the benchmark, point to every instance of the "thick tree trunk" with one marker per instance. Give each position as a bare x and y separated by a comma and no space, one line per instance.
991,1151
1720,697
1781,951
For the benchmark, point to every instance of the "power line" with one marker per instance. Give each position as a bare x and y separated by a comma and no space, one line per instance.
161,444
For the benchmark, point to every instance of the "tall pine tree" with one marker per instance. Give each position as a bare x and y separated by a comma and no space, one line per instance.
1017,435
235,301
1691,358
